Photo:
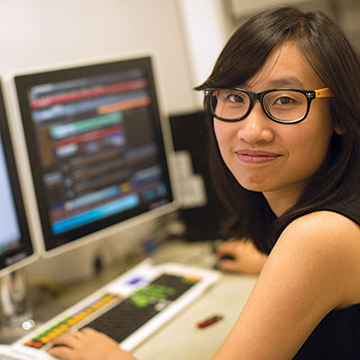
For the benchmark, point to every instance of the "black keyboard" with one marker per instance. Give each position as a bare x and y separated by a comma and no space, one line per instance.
129,315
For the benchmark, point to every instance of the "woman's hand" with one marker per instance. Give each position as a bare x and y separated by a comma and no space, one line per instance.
247,258
87,344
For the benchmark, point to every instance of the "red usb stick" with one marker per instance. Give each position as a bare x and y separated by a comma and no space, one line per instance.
209,321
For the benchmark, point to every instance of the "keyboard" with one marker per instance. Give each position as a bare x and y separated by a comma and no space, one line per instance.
129,309
120,317
137,310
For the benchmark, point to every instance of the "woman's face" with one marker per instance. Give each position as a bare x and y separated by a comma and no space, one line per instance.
278,159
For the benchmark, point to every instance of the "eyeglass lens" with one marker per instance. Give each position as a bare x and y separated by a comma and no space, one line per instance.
283,105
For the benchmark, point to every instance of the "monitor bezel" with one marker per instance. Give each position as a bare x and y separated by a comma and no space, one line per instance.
10,261
116,223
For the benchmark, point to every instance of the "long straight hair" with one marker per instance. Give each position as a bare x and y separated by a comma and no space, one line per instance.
337,64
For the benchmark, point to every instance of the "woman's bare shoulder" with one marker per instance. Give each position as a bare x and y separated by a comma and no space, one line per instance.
323,231
326,245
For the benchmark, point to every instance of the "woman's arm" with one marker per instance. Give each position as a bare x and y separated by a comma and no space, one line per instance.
247,258
314,268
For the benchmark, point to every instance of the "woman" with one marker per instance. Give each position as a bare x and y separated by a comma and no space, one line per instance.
284,97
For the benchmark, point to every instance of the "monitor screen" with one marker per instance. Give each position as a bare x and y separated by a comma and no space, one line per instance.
96,146
15,242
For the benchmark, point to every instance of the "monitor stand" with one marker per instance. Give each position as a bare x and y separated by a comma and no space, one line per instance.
16,313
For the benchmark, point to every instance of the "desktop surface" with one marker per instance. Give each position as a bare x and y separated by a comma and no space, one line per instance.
181,338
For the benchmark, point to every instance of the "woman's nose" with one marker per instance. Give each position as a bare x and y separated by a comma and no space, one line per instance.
256,127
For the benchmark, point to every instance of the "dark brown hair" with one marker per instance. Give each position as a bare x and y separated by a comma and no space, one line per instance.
337,64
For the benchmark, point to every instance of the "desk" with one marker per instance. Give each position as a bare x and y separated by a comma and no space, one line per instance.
181,339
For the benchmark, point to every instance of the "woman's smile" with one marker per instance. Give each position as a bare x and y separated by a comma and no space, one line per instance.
256,156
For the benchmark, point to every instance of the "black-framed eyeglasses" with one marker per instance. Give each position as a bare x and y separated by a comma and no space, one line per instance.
285,106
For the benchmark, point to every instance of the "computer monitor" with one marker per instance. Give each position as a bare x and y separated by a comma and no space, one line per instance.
16,248
97,145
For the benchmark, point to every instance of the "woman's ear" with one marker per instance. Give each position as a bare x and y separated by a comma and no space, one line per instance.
340,129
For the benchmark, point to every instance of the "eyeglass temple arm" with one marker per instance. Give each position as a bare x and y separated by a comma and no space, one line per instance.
323,93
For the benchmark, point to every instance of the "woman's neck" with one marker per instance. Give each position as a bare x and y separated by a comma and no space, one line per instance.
281,201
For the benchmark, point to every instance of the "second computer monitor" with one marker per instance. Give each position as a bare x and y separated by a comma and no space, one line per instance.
16,248
96,146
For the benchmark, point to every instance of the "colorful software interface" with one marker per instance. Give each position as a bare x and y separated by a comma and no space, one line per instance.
99,146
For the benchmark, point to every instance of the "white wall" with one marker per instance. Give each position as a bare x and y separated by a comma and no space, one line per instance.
205,31
42,33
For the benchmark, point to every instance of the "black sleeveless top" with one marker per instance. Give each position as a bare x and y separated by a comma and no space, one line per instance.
337,337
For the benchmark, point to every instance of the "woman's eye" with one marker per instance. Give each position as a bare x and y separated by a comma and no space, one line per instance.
284,100
235,98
